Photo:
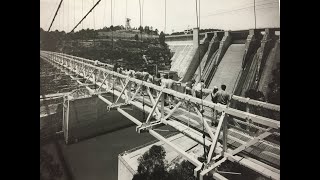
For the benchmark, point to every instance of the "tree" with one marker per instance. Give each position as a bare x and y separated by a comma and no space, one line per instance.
147,29
183,171
152,165
156,31
136,37
151,30
162,39
141,29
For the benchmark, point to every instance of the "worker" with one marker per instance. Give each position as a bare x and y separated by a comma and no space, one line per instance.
222,96
189,88
198,89
145,74
115,67
214,100
167,83
157,81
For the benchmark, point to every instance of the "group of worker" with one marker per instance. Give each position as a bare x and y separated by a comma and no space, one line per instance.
217,96
220,97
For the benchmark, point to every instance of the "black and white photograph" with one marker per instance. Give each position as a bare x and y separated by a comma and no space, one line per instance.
160,89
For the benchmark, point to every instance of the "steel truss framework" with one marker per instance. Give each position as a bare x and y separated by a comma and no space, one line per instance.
120,85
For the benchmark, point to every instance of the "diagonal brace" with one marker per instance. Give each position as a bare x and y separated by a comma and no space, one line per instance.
90,75
103,82
172,111
134,95
154,107
252,142
152,100
216,164
122,91
216,136
205,123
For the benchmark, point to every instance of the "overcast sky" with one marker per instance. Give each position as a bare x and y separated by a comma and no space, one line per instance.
221,14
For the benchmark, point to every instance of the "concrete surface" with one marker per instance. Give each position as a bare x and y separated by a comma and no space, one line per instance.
229,68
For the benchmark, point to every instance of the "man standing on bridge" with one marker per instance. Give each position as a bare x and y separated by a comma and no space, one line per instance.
222,97
214,99
167,83
199,88
115,67
96,62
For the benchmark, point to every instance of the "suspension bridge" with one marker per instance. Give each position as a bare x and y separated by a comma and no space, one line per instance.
254,151
236,58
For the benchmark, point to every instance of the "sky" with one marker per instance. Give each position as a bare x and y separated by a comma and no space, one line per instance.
180,14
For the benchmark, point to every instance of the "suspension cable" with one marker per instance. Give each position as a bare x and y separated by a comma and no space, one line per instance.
113,86
165,15
62,29
111,12
52,15
254,11
104,14
114,4
59,19
140,20
68,15
55,15
143,111
111,26
74,12
201,110
62,16
142,12
126,9
94,27
86,15
82,23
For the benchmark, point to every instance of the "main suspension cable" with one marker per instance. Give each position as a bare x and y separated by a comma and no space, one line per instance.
86,15
55,15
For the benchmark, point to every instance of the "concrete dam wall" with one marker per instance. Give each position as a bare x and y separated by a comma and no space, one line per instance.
182,53
271,63
185,59
257,69
229,68
241,60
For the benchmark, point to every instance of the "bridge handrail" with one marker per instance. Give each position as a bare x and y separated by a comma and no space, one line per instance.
233,112
83,59
234,97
